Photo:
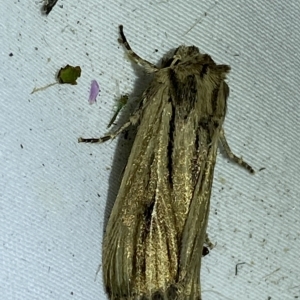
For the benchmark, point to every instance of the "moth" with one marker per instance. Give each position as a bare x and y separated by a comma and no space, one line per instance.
156,232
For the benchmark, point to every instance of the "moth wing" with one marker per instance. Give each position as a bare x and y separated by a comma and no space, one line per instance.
140,251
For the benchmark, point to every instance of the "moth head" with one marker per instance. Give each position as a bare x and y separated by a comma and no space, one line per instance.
186,51
182,53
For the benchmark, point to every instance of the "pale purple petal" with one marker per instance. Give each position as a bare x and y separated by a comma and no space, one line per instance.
94,91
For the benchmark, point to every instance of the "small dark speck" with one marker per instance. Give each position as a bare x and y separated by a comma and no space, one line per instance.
261,169
21,146
72,293
126,134
36,48
98,195
236,267
10,54
205,251
156,50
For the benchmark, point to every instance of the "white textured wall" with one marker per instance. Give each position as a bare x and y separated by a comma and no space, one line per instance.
54,191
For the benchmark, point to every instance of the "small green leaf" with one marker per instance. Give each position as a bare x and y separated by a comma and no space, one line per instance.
69,74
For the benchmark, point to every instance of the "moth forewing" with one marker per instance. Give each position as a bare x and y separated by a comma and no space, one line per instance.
155,235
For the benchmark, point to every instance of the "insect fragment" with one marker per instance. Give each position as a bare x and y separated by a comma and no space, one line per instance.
48,5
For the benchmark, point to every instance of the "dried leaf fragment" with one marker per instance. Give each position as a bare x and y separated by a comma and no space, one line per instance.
69,74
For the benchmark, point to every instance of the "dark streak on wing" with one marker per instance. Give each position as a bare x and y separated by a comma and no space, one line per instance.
171,145
148,214
214,99
203,71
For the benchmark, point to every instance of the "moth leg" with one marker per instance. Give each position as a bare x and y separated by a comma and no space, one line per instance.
208,246
231,155
132,121
208,242
132,55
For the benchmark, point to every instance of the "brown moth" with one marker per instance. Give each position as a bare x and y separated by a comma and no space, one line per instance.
155,235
